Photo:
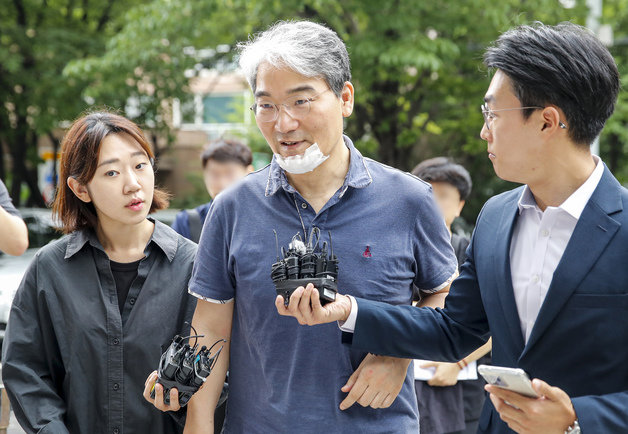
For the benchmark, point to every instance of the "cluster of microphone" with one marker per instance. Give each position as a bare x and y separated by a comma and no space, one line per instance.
185,368
305,263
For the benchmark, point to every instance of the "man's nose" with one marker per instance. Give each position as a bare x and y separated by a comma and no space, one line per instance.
285,122
485,132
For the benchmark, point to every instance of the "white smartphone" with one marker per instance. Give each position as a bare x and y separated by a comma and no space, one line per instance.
514,379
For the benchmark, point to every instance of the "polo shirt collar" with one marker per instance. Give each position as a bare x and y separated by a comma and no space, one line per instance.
160,237
358,175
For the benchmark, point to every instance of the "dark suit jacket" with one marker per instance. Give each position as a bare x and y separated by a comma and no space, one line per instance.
580,339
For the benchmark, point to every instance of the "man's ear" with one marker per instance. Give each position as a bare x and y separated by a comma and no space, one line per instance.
460,206
551,119
79,189
347,99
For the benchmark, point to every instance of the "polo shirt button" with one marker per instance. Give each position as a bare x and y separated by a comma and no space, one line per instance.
116,386
304,205
132,301
116,341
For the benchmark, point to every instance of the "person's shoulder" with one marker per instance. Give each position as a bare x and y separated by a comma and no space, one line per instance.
459,239
249,187
612,198
55,250
404,182
506,197
185,246
3,189
180,220
255,179
202,209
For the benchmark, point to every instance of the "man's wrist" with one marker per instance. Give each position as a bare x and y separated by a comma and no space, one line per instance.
346,307
574,428
348,310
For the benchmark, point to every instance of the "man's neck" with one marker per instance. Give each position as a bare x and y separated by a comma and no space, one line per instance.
568,174
319,185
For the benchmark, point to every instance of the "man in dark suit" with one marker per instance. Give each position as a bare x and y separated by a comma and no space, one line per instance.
546,274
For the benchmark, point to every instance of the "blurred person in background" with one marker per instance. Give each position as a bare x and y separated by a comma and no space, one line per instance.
13,231
224,162
447,405
97,307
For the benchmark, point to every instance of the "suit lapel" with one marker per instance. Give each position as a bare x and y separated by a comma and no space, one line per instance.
501,267
592,233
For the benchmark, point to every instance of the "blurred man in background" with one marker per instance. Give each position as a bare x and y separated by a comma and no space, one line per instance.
447,405
224,162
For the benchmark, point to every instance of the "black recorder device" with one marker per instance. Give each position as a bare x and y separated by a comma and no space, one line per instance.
305,263
185,368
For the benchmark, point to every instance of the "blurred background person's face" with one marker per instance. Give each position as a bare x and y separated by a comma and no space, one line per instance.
448,200
220,175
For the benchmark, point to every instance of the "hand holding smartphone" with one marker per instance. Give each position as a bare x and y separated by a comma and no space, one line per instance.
513,379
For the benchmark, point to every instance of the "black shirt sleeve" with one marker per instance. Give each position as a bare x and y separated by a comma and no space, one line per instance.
32,369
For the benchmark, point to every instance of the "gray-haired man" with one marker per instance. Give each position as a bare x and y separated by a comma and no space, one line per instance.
386,231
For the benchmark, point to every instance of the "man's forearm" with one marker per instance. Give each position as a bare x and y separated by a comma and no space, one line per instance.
200,415
214,321
436,299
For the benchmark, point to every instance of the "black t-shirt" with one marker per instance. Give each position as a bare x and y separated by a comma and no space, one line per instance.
124,274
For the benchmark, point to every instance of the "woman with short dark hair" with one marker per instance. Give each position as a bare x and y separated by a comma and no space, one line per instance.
97,307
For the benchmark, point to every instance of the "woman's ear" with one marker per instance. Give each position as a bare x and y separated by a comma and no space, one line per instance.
79,189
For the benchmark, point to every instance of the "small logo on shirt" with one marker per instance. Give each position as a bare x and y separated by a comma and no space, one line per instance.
367,252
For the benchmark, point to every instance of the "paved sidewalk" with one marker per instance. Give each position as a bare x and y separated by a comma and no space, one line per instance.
14,427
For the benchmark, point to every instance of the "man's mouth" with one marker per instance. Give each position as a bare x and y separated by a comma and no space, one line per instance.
292,143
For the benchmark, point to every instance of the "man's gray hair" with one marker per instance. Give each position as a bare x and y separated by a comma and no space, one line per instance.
307,48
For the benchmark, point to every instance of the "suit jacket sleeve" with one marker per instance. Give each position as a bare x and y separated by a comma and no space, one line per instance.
424,333
604,413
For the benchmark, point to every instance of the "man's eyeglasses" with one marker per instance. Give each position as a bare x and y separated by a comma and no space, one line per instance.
489,114
298,107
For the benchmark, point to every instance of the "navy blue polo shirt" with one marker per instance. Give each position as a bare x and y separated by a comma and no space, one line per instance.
387,233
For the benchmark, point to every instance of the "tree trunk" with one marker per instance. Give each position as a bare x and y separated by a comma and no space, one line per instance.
3,174
18,155
21,173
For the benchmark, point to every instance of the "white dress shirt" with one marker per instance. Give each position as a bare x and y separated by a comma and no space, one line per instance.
538,242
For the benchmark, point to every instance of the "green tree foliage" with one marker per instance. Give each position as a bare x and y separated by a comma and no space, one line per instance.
614,138
417,67
37,40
